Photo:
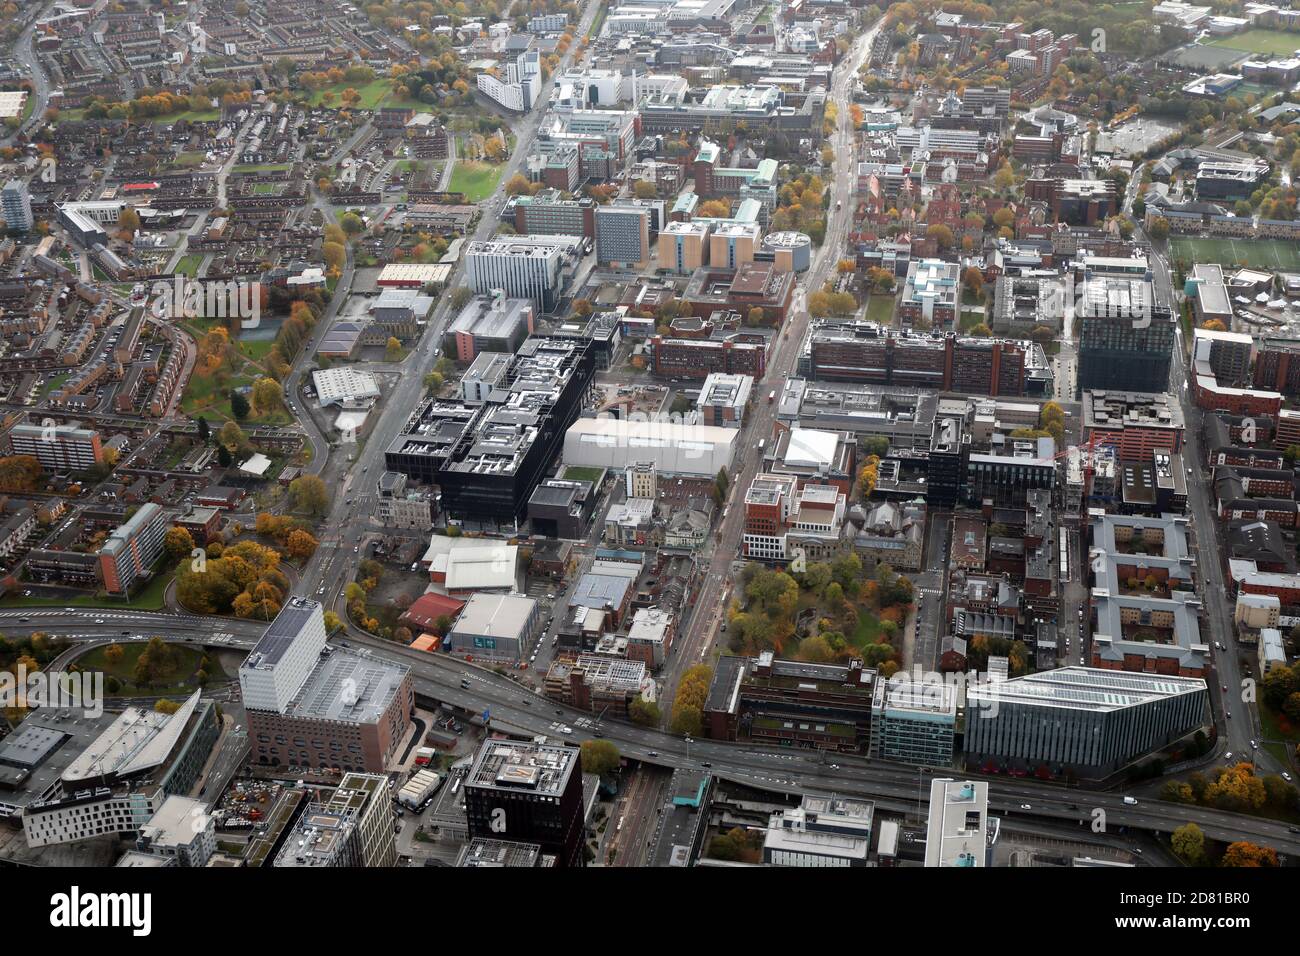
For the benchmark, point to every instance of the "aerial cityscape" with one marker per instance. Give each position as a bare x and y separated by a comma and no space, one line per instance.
671,433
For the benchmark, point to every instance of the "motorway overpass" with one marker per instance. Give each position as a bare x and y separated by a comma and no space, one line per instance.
437,678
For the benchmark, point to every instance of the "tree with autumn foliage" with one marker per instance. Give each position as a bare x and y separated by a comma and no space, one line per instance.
868,475
1245,854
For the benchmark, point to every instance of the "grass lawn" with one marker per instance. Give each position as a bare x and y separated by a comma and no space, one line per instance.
56,382
476,180
1271,254
372,93
149,598
1260,41
179,680
189,265
189,159
969,320
880,309
868,630
583,473
265,189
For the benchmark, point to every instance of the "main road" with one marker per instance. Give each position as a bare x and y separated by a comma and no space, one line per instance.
437,679
717,581
1226,683
333,564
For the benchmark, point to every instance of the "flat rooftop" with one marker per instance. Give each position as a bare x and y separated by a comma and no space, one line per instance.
348,687
542,769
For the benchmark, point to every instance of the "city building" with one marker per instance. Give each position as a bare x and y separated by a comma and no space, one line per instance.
674,448
1126,337
498,626
957,829
16,207
930,294
182,832
351,827
683,247
724,398
520,86
1080,721
1134,423
623,233
528,793
784,521
820,832
864,352
487,459
913,722
312,706
773,702
133,548
58,447
1145,613
597,683
488,323
522,267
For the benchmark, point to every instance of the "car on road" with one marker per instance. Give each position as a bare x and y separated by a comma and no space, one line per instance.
99,621
23,620
1223,687
565,729
1025,806
652,753
1286,776
1228,755
1253,745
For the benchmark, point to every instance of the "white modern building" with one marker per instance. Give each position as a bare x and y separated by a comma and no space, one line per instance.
282,660
956,833
521,86
182,831
673,448
820,832
344,386
522,267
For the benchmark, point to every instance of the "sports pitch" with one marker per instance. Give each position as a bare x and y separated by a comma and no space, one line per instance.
1274,42
1271,254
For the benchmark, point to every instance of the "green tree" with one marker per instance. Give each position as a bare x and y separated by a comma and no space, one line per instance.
599,757
1188,844
238,405
308,494
644,712
178,543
